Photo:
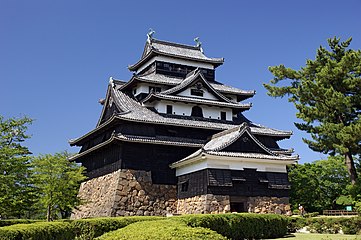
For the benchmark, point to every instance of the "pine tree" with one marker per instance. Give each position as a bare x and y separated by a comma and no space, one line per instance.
327,94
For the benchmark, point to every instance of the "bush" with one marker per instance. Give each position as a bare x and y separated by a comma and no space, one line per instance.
87,229
309,215
162,229
241,226
327,225
9,222
38,231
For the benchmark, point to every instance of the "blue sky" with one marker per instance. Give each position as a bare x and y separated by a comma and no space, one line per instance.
56,57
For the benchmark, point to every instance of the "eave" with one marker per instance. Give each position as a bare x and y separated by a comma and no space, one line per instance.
202,155
151,97
139,139
153,52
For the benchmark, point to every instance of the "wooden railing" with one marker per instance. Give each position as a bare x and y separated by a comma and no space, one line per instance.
338,212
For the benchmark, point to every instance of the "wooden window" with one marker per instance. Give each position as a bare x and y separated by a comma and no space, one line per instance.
197,112
223,116
184,186
154,89
169,109
197,92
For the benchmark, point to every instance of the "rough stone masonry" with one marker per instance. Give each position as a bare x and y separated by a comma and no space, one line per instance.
132,193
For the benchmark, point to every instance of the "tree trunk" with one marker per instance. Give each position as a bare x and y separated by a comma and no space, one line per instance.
48,213
351,167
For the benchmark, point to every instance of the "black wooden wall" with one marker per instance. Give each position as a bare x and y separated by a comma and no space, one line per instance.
247,182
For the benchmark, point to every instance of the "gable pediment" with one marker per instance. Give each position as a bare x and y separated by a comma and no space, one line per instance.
196,86
239,139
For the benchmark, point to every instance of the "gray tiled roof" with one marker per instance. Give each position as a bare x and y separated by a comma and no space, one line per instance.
194,157
199,101
224,139
221,140
175,50
253,155
163,140
135,112
192,77
181,50
172,81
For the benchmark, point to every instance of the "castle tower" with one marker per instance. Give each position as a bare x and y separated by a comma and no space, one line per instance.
173,139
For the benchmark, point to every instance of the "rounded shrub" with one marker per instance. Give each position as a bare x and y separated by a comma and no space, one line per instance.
170,229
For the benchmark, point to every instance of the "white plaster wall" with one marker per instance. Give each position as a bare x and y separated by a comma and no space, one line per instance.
144,88
206,94
176,61
186,109
262,165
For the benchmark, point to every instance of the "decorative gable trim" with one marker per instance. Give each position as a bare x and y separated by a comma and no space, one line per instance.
194,76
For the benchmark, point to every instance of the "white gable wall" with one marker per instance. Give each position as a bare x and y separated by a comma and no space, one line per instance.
206,94
144,88
184,109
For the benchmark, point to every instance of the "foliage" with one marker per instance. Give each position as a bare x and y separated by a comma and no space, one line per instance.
58,181
162,229
17,193
310,215
87,229
317,186
327,94
9,222
38,231
84,229
241,226
333,225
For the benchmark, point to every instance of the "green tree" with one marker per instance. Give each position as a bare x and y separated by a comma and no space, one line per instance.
318,185
17,193
58,180
327,94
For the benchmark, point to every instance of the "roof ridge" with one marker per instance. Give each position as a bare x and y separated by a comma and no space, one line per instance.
225,132
189,79
175,44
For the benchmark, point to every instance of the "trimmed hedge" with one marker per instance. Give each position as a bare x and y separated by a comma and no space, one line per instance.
348,225
170,229
9,222
84,229
38,231
87,229
241,226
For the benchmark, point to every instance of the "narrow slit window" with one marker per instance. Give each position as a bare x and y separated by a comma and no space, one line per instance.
184,186
223,116
169,109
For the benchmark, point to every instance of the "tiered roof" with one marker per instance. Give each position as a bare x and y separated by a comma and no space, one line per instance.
131,110
219,142
180,51
134,111
171,81
191,78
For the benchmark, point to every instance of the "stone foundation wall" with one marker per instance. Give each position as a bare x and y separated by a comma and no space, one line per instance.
269,205
208,203
221,204
130,192
125,193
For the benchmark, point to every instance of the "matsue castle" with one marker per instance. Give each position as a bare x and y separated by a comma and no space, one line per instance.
174,140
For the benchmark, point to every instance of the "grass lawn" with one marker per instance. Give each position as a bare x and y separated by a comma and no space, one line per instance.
316,236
